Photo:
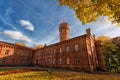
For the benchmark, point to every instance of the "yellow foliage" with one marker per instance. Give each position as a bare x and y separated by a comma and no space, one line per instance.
40,46
89,10
103,38
20,44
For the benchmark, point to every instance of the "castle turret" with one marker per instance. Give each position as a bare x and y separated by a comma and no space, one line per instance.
64,29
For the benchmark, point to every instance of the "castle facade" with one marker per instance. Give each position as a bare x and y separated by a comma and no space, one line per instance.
82,53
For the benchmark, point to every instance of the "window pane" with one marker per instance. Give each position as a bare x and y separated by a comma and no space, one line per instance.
68,61
67,49
54,61
77,60
54,51
60,50
6,52
3,61
76,47
60,60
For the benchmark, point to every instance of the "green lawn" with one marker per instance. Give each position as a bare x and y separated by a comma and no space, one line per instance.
9,68
57,75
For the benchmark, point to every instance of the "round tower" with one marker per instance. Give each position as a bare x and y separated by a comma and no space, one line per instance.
64,29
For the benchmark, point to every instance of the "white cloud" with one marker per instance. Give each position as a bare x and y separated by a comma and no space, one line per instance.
16,35
28,25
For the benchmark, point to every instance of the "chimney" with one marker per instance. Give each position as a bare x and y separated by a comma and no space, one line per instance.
94,37
88,31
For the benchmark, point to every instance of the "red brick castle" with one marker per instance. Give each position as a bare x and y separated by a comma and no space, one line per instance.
82,52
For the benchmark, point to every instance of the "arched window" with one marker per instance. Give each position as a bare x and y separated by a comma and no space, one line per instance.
60,60
54,61
60,50
49,61
54,51
76,47
67,49
68,60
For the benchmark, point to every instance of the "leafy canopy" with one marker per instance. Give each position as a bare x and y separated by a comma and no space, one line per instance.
40,46
20,44
111,52
89,10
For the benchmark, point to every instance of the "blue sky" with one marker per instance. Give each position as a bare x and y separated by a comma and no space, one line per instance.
37,21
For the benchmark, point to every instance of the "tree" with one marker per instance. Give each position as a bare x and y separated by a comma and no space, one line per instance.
40,46
111,53
89,10
103,38
20,44
116,41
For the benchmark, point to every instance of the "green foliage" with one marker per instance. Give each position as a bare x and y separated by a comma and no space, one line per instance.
111,52
89,10
9,69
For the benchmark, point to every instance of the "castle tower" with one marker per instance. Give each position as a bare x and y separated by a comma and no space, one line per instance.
64,29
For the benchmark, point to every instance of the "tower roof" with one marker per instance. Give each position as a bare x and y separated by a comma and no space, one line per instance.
64,26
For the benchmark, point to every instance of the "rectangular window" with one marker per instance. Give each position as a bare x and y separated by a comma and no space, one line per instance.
3,61
6,52
60,50
15,53
13,61
21,61
67,49
68,60
60,60
54,61
49,61
76,47
54,51
77,60
40,61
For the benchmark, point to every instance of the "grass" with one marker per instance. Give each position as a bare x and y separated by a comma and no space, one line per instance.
9,68
57,75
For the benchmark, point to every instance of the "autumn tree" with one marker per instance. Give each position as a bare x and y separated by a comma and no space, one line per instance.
116,41
20,44
103,39
111,53
89,10
40,46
